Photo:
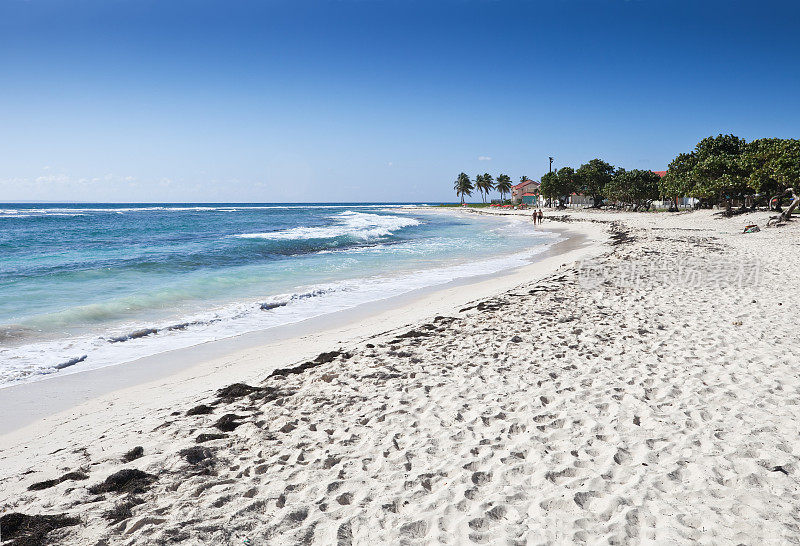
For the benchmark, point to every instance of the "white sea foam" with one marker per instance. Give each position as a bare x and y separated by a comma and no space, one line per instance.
359,225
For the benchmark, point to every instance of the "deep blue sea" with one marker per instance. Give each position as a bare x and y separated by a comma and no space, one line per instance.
88,286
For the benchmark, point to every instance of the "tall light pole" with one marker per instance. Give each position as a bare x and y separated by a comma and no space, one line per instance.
551,164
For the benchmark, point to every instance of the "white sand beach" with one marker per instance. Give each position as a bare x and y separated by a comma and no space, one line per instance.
638,387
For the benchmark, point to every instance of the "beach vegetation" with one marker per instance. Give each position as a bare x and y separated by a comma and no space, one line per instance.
718,170
548,186
636,188
772,164
503,185
559,185
592,178
463,186
773,167
484,183
725,169
679,180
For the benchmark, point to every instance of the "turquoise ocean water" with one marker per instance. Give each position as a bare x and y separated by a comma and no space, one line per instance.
88,286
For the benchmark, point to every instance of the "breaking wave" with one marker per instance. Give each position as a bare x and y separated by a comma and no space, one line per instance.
357,225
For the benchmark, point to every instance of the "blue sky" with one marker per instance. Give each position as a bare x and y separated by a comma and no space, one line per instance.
123,100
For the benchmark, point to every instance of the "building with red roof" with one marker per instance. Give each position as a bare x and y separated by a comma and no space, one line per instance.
526,188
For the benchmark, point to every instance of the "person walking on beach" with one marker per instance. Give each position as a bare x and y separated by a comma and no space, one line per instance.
540,215
534,217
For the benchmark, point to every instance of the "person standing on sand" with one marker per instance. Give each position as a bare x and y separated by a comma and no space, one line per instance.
533,216
540,215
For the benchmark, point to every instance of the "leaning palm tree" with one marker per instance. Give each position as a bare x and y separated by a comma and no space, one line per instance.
480,185
485,183
463,186
503,185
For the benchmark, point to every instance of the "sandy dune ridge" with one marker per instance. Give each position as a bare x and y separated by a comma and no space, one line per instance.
647,395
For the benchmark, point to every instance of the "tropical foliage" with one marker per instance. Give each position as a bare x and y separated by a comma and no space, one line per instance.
484,184
559,185
549,185
724,168
463,186
719,170
592,178
679,181
772,164
635,188
503,185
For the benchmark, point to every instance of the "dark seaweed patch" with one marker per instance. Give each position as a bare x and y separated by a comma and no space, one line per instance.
128,480
71,362
38,486
268,306
50,483
322,358
122,510
237,390
74,476
133,454
202,409
228,422
28,530
197,455
134,335
413,334
206,437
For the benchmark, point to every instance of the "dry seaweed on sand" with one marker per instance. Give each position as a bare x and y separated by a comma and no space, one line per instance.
122,510
322,358
198,455
28,530
201,409
228,422
128,480
207,437
237,390
38,486
133,454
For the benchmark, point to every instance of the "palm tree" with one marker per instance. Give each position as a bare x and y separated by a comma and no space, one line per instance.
485,183
503,185
463,186
480,185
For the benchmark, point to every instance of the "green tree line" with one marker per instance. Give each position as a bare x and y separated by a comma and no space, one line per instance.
602,182
725,168
719,170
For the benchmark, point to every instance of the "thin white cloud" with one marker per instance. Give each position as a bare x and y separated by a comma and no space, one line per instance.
484,158
52,179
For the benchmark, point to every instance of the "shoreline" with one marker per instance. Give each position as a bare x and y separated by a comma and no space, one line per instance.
637,405
45,350
31,404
